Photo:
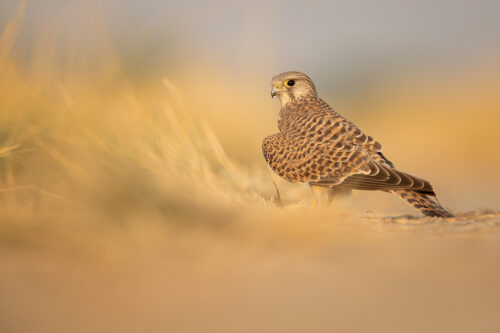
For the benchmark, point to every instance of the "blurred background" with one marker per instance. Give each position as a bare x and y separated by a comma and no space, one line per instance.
134,193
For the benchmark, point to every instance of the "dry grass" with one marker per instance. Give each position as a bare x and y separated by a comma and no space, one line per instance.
121,211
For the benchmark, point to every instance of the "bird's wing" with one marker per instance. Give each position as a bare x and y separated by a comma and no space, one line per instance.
331,151
383,174
299,158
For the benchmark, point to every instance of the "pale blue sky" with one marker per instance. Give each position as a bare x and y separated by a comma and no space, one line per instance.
326,37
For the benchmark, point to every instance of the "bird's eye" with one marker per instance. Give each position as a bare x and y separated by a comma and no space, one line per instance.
290,83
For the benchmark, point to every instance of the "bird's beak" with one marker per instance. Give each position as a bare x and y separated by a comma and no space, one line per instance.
275,91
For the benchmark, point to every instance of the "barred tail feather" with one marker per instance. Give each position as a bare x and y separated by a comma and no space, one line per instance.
423,203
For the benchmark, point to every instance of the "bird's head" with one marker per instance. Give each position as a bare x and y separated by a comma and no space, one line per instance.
290,86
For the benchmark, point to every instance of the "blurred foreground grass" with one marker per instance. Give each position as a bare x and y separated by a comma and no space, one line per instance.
120,211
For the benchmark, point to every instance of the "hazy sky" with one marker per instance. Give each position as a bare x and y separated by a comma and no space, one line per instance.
333,37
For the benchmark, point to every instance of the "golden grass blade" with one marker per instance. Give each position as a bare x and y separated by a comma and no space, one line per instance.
33,188
11,31
7,151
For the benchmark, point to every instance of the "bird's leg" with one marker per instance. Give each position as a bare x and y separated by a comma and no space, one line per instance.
314,202
325,195
338,193
320,195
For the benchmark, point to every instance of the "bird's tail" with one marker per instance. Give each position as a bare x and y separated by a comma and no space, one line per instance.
423,203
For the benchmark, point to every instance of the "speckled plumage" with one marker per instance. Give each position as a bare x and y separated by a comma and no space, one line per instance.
316,145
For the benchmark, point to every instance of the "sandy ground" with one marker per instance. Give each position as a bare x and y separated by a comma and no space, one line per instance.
279,270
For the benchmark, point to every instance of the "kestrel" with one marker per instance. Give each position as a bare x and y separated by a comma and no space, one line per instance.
318,146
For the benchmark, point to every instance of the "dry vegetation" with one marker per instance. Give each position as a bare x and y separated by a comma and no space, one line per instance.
121,212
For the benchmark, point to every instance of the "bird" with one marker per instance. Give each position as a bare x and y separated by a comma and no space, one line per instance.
318,146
